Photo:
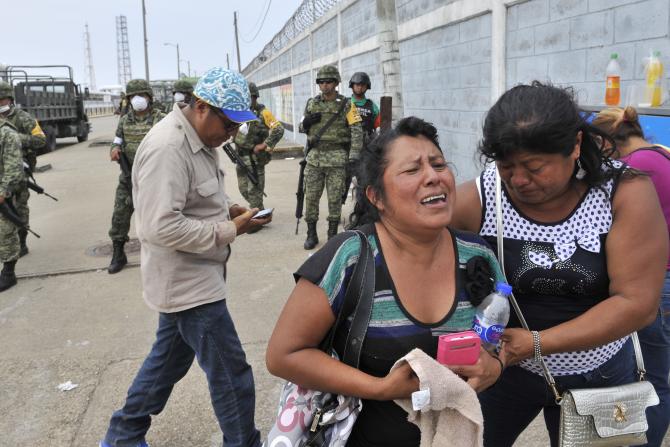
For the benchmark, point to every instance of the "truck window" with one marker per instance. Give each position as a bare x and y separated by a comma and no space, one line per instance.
56,88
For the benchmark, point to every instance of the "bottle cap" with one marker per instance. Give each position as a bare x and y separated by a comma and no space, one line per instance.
504,288
657,53
614,56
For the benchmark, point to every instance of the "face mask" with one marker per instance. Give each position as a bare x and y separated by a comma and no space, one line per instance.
5,108
139,103
179,97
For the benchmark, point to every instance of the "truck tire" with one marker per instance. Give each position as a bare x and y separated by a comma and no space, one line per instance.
82,138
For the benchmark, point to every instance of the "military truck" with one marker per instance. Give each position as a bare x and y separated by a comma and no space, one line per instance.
162,94
54,99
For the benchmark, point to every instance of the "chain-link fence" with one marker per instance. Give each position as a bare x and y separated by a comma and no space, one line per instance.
307,13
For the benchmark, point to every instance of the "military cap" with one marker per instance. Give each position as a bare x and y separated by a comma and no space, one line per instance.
6,90
136,86
360,78
328,72
182,85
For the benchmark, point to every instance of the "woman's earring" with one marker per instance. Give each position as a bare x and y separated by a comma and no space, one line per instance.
581,172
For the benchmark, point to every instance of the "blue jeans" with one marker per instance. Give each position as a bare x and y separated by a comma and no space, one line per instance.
207,332
655,343
519,396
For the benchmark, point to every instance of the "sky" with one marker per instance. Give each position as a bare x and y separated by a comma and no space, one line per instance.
47,32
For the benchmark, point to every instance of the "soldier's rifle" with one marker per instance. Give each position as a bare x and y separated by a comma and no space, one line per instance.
126,171
9,212
235,158
32,183
300,194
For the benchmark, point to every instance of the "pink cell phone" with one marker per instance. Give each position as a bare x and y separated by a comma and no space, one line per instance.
460,348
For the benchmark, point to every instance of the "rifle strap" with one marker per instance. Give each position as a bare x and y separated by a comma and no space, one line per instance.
329,123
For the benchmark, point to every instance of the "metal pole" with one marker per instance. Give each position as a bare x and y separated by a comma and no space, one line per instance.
178,66
189,68
237,43
228,61
146,51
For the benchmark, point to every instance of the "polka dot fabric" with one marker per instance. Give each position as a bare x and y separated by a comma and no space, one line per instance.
550,249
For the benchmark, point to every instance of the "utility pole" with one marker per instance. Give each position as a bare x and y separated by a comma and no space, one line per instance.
178,66
176,45
228,61
237,43
146,42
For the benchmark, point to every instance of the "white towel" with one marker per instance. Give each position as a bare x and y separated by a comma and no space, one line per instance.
453,417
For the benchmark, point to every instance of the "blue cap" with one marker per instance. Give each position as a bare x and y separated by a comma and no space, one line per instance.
228,91
504,288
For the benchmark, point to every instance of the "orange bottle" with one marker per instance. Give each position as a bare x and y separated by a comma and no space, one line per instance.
613,87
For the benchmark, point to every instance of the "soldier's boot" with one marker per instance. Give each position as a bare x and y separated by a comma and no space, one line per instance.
119,259
23,234
7,276
312,238
332,229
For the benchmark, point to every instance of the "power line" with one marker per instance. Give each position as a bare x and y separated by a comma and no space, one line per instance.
262,23
265,5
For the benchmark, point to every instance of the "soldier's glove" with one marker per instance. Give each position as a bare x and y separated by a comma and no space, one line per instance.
310,119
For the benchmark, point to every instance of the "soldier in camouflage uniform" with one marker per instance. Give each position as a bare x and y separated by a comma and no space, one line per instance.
32,138
337,150
182,91
132,128
255,148
11,177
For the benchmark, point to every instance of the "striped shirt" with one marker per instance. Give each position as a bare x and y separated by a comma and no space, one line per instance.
392,331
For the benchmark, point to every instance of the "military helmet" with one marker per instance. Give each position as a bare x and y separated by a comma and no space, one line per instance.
360,78
328,72
6,90
253,90
136,86
182,85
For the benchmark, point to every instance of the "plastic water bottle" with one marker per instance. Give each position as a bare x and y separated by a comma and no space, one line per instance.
492,315
613,86
654,77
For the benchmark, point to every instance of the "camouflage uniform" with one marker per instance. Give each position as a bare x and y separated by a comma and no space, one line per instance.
129,134
326,162
11,177
267,129
32,138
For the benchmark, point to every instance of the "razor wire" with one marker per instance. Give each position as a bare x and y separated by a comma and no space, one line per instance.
304,17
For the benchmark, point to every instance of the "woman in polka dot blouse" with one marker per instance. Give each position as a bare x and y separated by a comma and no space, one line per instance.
585,249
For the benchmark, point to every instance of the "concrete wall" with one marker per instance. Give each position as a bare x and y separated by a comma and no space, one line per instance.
446,76
569,42
455,57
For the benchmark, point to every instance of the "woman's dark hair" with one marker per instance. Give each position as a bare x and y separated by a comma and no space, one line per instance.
543,118
372,165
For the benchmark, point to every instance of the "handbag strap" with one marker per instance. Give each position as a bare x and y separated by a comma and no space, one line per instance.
501,259
357,304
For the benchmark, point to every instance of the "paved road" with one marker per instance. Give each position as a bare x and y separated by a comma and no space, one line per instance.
68,320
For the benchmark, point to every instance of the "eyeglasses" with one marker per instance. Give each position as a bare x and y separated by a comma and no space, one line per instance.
325,81
228,125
